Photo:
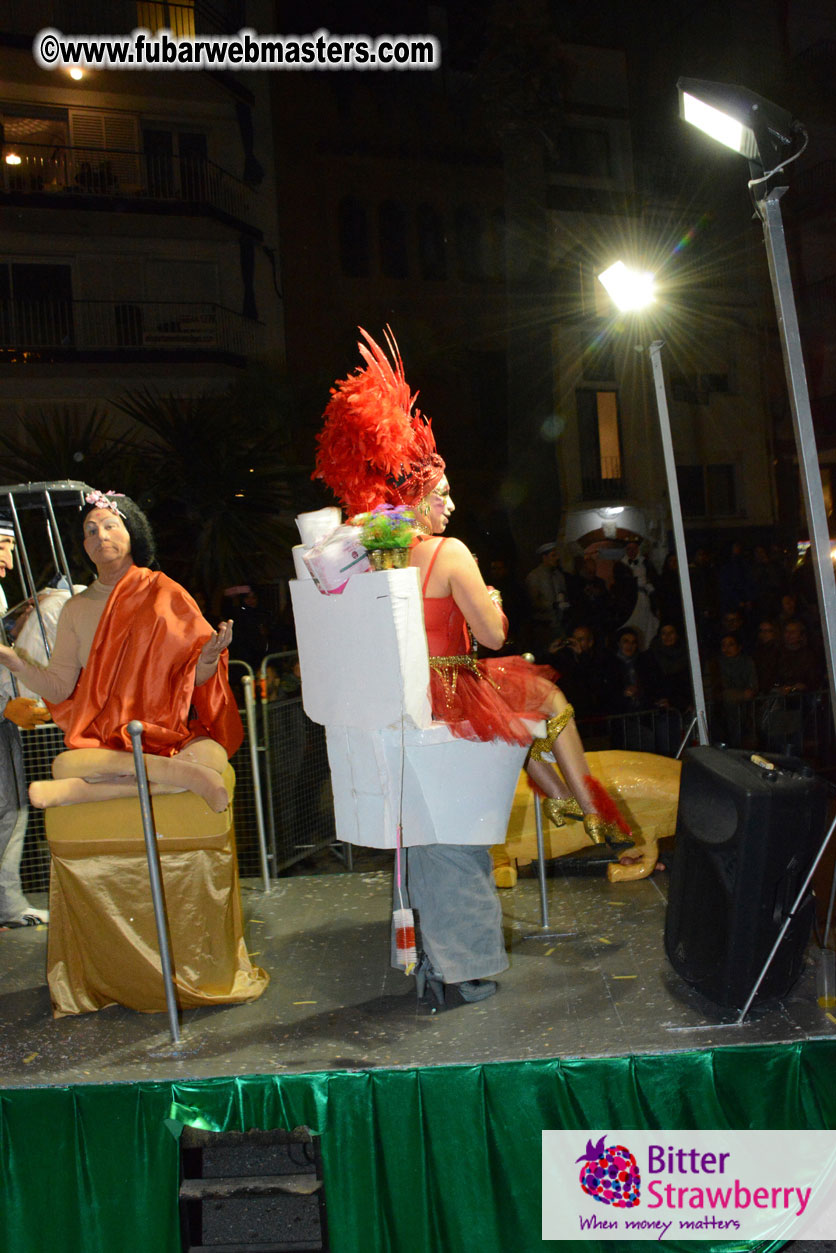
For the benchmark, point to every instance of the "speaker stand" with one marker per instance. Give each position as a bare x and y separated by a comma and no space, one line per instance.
799,898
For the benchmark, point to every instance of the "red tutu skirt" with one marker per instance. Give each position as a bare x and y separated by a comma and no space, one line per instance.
493,703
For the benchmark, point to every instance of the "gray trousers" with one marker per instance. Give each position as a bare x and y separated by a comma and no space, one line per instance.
458,915
14,814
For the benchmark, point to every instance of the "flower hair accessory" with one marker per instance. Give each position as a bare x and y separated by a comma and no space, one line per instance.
100,501
375,447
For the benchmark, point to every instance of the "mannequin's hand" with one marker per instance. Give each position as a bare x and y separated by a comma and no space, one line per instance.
25,713
212,649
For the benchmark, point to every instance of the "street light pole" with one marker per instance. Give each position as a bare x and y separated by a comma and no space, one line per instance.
769,137
769,210
679,541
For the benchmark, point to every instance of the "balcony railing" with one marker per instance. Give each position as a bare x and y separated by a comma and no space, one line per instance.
606,482
44,330
112,173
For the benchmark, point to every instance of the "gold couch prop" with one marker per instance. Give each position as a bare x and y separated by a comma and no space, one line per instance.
102,947
644,786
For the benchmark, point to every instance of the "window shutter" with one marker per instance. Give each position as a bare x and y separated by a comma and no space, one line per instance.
117,134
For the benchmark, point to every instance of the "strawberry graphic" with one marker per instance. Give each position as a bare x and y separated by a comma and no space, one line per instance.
609,1174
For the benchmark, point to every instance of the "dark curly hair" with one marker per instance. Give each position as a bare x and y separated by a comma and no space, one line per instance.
143,548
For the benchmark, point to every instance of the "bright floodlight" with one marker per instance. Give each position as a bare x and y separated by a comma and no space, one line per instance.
739,118
718,125
630,290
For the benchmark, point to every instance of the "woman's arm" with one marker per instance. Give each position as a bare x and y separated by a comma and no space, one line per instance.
482,614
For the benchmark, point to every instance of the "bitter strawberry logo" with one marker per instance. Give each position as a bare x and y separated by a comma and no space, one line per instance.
609,1174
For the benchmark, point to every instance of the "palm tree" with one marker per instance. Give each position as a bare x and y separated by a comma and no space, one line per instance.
217,483
66,444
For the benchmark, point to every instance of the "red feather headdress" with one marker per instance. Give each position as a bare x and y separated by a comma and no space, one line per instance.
375,447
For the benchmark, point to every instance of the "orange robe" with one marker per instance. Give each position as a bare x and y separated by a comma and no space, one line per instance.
142,665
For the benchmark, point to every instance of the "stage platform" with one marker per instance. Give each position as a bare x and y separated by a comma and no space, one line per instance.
430,1124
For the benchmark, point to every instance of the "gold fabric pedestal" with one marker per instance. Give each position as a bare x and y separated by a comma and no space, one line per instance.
102,947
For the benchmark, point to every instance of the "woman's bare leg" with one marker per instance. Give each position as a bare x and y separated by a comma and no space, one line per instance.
564,743
567,751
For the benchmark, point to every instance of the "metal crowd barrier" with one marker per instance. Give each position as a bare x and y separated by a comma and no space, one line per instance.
283,785
798,724
293,792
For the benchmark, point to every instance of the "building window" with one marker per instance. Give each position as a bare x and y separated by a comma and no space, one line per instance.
599,438
36,306
721,491
697,389
708,491
355,250
432,256
691,490
175,163
394,256
157,15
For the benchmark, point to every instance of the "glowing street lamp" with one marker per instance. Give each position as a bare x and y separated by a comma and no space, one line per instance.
631,291
771,138
740,119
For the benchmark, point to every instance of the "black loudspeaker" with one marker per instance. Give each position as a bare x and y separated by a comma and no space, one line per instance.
746,836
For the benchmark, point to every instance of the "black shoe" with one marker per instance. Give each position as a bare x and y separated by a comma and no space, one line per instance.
434,995
470,991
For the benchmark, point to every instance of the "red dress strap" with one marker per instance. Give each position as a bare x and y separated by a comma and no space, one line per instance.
430,567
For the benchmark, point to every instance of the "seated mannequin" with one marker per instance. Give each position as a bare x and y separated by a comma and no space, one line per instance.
133,645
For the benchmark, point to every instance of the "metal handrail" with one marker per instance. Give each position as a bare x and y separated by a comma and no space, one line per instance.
126,325
69,171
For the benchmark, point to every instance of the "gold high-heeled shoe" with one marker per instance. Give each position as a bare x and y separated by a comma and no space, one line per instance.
600,831
559,808
553,728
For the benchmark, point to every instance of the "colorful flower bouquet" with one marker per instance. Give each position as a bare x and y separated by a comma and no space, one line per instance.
387,533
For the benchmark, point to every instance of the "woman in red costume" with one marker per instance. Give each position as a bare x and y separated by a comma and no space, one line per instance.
376,448
133,645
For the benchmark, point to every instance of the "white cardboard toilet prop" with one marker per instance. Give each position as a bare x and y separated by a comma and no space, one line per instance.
365,678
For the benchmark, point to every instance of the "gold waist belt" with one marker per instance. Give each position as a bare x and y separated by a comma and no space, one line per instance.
448,668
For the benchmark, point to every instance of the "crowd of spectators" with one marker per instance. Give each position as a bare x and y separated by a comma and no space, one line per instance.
614,631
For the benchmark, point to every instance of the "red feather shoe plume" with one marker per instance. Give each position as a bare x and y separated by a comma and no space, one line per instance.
604,823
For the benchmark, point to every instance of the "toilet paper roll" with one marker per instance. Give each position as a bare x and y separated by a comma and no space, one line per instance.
316,525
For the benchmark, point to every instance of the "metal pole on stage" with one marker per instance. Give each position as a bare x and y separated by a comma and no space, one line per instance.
769,210
799,898
135,730
769,137
252,740
544,933
679,541
541,861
